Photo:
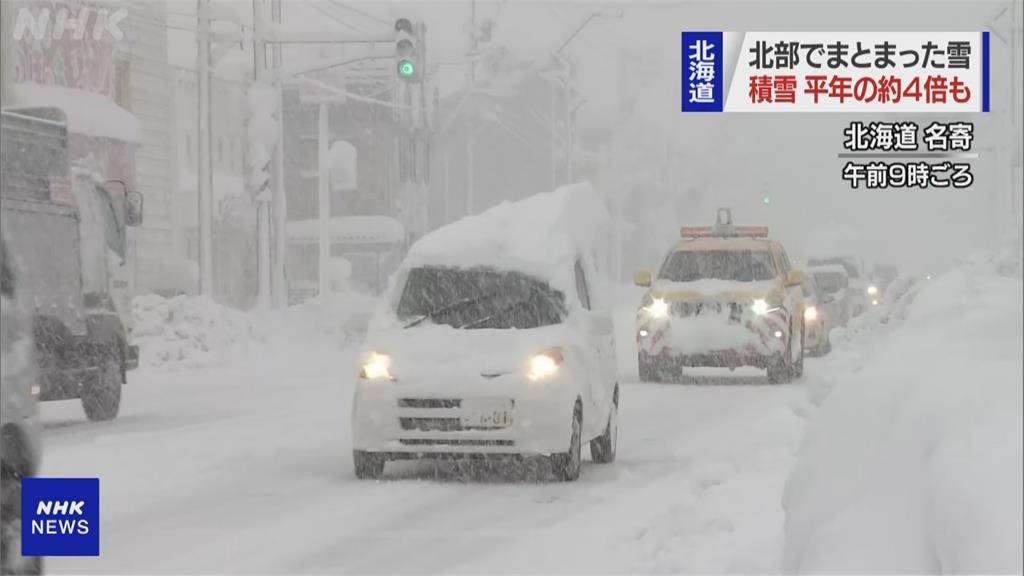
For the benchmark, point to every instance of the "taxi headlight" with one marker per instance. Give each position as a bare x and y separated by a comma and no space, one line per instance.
872,290
762,307
658,308
543,365
810,313
376,367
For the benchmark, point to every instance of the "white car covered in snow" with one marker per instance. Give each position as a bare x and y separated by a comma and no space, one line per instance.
494,342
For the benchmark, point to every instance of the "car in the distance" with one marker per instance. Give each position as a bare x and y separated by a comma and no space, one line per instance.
494,343
860,290
833,288
817,323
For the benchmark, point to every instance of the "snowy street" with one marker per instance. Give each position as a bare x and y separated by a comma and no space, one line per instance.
247,468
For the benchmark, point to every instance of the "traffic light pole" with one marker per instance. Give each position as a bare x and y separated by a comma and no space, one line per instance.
205,173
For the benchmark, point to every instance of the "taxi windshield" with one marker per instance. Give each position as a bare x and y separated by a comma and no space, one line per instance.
733,265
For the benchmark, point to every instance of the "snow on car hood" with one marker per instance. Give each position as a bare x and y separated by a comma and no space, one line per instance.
710,289
430,348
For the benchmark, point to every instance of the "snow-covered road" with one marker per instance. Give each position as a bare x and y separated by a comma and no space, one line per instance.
248,469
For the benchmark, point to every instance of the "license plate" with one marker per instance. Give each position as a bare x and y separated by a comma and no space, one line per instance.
486,413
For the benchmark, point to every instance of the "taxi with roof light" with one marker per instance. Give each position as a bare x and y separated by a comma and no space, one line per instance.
725,296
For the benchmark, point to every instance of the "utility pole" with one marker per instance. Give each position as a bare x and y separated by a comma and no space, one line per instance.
279,284
205,173
262,203
323,199
470,82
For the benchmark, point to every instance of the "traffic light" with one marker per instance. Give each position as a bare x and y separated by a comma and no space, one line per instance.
407,51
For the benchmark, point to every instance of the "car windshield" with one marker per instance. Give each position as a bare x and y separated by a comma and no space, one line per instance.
830,282
851,269
734,265
478,298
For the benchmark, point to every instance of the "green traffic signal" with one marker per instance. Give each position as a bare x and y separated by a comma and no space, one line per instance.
406,69
766,200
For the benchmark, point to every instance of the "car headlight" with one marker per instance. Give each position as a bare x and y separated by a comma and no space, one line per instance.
872,290
658,308
543,365
874,302
762,307
376,367
810,313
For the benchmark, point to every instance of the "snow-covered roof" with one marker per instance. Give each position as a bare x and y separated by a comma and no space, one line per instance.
370,229
87,113
541,235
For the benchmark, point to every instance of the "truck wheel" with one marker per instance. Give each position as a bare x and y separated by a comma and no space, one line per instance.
566,466
602,448
657,369
368,466
11,560
101,393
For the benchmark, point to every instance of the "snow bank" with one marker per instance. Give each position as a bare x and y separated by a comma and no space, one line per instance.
914,463
541,235
194,332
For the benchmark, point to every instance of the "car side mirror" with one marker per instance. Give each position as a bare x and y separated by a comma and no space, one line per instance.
795,278
600,324
642,279
827,299
133,208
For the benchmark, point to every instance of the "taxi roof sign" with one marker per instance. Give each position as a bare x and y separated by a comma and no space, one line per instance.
723,228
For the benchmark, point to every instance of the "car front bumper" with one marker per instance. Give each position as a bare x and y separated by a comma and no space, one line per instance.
442,416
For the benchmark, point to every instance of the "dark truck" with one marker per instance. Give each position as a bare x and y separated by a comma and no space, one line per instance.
65,229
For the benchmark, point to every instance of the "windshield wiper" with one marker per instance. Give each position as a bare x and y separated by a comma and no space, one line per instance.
451,306
497,314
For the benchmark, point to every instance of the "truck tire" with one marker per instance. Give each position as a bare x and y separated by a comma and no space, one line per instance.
101,393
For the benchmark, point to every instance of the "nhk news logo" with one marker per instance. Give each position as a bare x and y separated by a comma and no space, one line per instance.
835,72
60,517
44,23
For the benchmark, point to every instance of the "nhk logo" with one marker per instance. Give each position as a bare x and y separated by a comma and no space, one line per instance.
43,23
60,517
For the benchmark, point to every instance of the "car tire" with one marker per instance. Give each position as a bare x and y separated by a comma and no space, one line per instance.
798,366
101,392
11,560
602,448
657,370
566,466
367,466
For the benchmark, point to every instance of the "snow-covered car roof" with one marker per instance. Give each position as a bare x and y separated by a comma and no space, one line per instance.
827,269
541,235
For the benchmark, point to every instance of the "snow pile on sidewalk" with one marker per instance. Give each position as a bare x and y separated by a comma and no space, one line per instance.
194,332
187,331
914,463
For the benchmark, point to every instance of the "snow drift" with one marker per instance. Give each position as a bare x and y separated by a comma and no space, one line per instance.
194,332
914,463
